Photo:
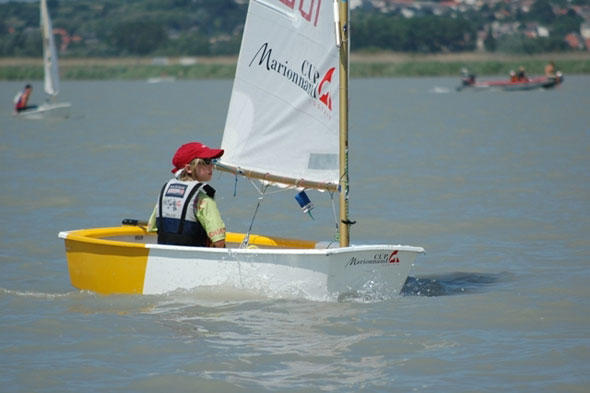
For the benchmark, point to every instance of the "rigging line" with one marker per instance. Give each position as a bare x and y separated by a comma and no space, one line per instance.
236,175
266,185
247,236
335,216
344,175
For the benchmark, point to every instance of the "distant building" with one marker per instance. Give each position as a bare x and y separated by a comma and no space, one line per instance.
574,40
534,30
542,31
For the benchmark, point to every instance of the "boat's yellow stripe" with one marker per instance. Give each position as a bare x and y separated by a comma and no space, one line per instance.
279,242
108,267
97,234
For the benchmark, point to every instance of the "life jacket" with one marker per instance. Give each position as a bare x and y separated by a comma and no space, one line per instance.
176,219
19,101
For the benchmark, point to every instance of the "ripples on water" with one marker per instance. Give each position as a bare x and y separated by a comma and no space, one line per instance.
495,186
211,335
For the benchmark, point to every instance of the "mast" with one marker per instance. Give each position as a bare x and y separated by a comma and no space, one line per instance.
343,126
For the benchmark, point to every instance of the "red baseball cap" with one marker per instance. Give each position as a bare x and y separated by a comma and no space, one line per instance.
189,151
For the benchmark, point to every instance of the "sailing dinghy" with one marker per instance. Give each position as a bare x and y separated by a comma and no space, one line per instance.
51,71
287,126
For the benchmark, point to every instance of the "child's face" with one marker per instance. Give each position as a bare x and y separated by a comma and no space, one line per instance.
204,172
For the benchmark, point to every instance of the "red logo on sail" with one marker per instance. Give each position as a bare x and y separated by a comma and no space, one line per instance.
325,97
393,258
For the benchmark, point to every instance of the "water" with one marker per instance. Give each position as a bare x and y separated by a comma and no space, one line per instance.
494,185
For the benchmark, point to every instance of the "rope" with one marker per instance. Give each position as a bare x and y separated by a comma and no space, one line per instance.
260,199
337,233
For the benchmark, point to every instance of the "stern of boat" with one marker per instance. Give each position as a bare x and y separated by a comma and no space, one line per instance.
107,260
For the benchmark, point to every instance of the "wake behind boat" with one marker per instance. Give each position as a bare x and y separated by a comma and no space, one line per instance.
287,126
512,84
51,73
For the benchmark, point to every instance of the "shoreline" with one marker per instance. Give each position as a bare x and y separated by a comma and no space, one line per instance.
363,65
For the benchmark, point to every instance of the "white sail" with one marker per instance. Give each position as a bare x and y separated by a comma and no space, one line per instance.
49,53
283,113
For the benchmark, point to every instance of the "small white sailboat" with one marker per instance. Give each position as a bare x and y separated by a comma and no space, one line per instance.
51,71
287,126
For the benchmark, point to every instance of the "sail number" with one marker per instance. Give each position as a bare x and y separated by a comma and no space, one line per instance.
309,9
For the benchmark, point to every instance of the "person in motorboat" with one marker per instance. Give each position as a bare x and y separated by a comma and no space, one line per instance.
467,79
513,77
550,70
21,99
521,76
186,212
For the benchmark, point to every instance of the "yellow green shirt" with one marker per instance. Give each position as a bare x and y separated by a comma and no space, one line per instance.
208,215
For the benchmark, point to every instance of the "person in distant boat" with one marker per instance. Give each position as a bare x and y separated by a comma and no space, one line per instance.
186,213
521,76
550,70
513,77
21,100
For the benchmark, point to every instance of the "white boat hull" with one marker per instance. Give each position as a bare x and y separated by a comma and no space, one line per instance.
59,109
126,260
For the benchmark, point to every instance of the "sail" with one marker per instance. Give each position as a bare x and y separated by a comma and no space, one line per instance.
283,113
49,53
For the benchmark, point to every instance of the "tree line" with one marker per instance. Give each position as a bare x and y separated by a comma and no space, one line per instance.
214,27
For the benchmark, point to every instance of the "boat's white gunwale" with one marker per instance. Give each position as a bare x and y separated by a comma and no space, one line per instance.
292,251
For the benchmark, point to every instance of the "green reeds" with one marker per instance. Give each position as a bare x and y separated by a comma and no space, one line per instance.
359,69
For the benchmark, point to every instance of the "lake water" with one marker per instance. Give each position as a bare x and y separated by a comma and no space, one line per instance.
494,185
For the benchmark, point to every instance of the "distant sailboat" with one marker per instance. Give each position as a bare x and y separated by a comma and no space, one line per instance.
51,70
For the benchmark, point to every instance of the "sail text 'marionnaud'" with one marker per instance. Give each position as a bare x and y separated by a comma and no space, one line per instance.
307,79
